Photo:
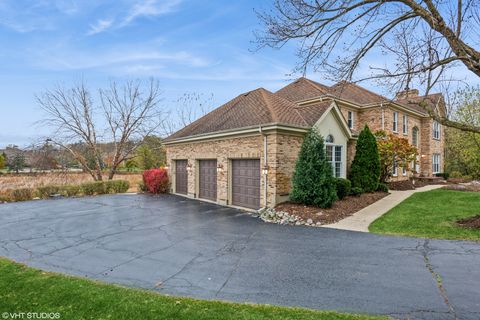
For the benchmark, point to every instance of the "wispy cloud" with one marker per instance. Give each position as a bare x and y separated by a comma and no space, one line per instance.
140,9
100,26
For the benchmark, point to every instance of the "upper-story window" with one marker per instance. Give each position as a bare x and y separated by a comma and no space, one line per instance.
436,130
350,119
395,121
405,124
415,136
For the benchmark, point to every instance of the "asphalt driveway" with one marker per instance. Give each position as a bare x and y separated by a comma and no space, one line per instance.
186,247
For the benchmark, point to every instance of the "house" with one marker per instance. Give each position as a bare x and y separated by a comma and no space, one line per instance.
243,153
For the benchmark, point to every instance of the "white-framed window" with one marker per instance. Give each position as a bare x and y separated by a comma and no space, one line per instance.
350,119
415,136
395,168
334,155
436,130
404,170
395,121
436,163
405,124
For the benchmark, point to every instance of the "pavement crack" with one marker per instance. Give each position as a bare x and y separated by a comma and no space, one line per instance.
425,250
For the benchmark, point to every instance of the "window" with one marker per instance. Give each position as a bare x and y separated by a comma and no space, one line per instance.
395,121
436,130
404,170
334,156
405,124
436,163
415,136
395,168
350,119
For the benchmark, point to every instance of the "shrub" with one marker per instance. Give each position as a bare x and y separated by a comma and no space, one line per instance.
343,187
23,194
156,180
141,187
313,181
92,188
382,187
365,169
356,191
46,191
456,174
71,190
117,186
444,175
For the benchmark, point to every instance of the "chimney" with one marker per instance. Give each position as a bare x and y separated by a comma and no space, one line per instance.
405,94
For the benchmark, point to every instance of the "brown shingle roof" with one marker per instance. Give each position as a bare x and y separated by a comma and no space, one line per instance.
253,108
413,102
353,92
312,112
302,89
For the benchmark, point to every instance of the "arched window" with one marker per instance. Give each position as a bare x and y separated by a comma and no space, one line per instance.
329,139
415,136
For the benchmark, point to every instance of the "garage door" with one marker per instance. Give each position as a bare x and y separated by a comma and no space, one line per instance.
181,177
246,183
208,179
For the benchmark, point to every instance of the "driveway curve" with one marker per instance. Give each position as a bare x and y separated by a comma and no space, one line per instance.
190,248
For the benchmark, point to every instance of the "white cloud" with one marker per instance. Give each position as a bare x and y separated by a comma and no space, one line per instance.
100,26
141,8
146,8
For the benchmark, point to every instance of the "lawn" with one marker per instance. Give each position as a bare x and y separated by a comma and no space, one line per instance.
432,214
23,289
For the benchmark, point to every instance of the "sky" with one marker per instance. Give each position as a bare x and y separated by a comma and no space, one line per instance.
203,47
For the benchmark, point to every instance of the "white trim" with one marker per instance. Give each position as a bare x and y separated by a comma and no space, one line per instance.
240,131
405,124
395,121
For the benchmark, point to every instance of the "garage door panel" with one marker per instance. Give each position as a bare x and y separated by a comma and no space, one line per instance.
208,179
181,177
246,183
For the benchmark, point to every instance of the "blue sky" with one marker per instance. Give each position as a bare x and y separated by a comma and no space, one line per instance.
188,45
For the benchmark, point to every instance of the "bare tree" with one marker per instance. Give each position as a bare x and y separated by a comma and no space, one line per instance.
426,36
124,116
188,108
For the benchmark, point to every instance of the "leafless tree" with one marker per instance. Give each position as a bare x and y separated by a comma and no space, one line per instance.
188,108
426,36
124,115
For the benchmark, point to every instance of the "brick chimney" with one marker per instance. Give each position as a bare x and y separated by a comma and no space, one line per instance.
409,93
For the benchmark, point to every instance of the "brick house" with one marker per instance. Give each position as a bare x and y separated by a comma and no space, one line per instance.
243,153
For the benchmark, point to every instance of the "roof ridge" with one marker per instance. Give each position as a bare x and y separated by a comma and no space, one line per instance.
362,88
313,84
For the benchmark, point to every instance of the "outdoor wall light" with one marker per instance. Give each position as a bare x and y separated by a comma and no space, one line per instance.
189,167
265,170
166,168
219,168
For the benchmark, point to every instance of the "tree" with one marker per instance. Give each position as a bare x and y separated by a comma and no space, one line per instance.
393,151
365,168
425,37
44,157
313,181
3,160
124,115
463,148
17,163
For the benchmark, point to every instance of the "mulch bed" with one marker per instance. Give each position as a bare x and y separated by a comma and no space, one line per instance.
473,222
340,209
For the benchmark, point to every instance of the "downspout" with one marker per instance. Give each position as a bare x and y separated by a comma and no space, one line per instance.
383,116
265,173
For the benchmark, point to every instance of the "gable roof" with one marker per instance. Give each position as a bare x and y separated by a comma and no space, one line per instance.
302,89
353,92
414,102
253,108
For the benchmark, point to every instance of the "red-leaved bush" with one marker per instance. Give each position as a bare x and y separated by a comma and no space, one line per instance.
156,180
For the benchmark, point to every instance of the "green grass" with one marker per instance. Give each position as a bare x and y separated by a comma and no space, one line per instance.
24,289
432,214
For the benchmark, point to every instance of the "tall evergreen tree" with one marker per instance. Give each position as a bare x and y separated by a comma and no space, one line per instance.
365,169
313,181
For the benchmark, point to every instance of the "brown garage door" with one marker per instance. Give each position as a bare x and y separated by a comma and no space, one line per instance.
181,177
246,183
208,179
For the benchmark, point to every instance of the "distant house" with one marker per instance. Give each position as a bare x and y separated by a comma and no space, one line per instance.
243,153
